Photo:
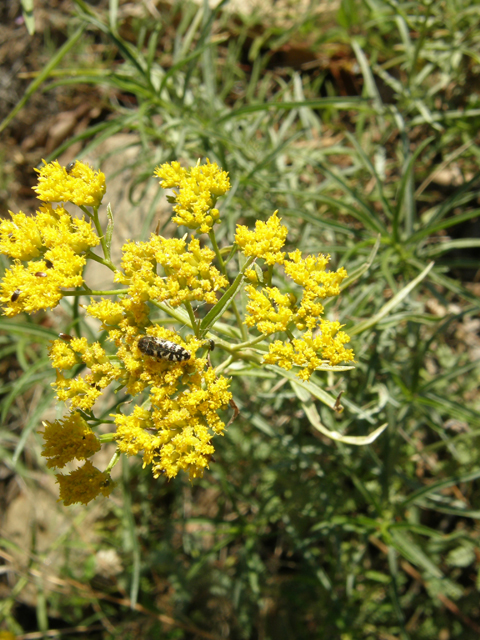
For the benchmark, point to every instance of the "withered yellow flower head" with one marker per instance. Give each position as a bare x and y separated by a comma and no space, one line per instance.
82,185
198,190
265,242
84,484
68,439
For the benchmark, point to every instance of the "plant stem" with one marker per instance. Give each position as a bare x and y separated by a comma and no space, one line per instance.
191,315
223,269
247,344
91,292
106,263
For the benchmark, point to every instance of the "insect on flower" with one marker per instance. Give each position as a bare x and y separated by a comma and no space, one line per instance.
70,165
41,274
15,295
211,343
163,349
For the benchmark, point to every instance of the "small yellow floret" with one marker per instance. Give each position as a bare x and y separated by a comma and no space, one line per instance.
269,309
23,289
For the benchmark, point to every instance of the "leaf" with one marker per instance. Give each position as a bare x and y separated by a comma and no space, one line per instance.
358,273
312,414
27,12
441,484
391,304
43,75
413,553
222,304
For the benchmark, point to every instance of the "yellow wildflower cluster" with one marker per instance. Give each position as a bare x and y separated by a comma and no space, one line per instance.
271,311
175,432
304,351
198,191
84,484
82,393
265,242
178,394
68,439
80,185
188,273
53,244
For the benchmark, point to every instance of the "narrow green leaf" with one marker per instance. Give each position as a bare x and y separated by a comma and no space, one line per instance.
24,328
359,271
35,84
441,484
28,16
364,213
413,553
391,304
442,247
222,304
319,103
46,401
314,419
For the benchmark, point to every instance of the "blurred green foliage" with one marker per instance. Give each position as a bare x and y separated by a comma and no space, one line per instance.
291,535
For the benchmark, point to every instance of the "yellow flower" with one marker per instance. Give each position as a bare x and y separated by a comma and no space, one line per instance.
62,355
78,391
20,237
58,228
265,242
198,190
189,273
68,438
82,186
176,432
310,273
27,237
82,393
110,313
311,352
84,484
34,286
269,310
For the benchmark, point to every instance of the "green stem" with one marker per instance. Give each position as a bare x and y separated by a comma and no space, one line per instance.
290,335
226,363
113,461
76,318
106,437
213,240
94,216
247,344
191,315
178,314
93,256
91,292
223,269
